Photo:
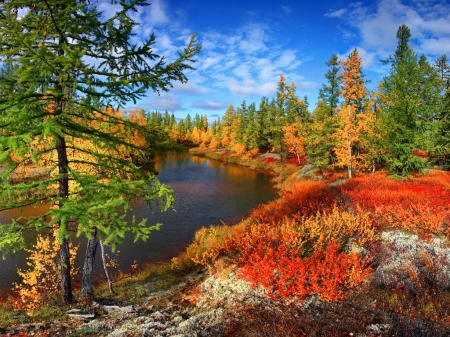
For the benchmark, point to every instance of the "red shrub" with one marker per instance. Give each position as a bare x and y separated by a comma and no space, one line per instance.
304,198
282,272
418,204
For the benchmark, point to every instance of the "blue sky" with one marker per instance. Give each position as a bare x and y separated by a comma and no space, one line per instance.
247,44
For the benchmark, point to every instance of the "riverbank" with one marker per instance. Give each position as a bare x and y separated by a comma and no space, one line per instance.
268,162
388,275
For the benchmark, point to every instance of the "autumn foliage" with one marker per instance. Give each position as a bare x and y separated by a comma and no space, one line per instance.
416,205
41,281
320,239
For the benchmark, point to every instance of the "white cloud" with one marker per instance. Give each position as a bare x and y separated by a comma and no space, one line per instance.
336,14
164,102
429,22
209,105
286,9
367,57
288,59
157,14
22,12
108,10
189,88
250,87
437,46
253,38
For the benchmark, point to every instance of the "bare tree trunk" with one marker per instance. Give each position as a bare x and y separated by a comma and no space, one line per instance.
87,282
108,277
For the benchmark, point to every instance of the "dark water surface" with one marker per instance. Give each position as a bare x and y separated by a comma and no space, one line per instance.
206,193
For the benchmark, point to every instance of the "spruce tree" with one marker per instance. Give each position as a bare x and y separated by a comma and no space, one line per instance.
70,68
329,93
404,93
443,116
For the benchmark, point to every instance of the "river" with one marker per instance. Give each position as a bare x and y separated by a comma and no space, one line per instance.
207,192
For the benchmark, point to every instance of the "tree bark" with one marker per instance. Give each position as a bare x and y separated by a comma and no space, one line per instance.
66,286
108,278
64,252
87,282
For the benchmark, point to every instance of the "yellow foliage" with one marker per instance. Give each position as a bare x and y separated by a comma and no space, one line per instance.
324,227
41,281
239,148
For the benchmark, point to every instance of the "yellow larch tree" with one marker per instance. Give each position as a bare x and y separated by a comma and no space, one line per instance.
353,92
294,139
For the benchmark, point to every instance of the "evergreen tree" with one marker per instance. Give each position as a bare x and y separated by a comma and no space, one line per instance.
443,117
69,67
329,94
262,121
319,143
403,103
251,132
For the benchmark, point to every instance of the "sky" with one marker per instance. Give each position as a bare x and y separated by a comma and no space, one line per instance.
247,44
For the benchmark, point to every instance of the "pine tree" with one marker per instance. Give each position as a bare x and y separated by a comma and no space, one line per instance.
319,143
443,117
329,94
70,68
404,93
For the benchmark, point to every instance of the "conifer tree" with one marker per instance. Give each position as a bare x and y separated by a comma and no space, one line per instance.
329,93
443,117
70,65
319,143
353,93
404,93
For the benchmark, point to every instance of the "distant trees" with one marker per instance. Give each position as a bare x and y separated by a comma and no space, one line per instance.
401,126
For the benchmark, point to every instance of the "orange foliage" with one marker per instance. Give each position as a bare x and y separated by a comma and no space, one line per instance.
41,281
419,204
239,148
353,91
294,140
291,249
301,258
302,198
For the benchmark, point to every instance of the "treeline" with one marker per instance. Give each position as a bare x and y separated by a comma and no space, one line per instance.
402,126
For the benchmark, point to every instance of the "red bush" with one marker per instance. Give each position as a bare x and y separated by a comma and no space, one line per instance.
421,203
304,198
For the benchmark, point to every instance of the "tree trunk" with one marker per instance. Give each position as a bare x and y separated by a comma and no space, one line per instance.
87,282
108,278
66,287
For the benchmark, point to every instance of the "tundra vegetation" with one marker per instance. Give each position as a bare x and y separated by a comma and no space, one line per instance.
359,235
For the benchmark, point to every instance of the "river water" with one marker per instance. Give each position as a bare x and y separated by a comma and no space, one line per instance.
207,192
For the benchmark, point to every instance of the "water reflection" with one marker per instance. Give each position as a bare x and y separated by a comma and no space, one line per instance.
207,192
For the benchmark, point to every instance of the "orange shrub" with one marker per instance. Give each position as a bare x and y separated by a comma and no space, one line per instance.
302,198
300,258
422,203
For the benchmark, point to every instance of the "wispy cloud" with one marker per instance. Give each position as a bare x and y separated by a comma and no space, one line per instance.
166,101
209,105
286,9
336,14
249,87
189,88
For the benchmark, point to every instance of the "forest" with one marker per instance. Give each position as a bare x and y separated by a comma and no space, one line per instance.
402,127
366,246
